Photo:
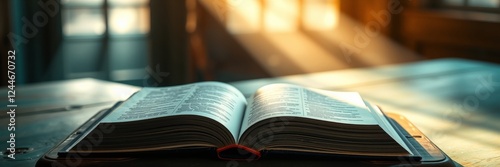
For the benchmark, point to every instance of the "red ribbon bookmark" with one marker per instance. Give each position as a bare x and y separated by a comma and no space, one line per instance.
237,152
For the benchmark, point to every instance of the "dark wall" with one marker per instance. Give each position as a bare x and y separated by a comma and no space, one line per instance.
4,44
168,42
35,34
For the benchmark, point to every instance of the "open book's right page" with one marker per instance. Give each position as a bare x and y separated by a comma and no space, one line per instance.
278,100
290,100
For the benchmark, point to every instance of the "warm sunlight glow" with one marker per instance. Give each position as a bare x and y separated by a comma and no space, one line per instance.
320,14
243,16
129,20
250,16
281,15
122,20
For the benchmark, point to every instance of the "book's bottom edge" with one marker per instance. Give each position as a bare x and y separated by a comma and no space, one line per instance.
233,152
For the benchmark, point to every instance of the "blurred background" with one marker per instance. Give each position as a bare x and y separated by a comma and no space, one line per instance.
182,41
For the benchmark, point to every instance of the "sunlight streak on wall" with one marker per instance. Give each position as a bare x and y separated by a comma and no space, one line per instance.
243,16
281,15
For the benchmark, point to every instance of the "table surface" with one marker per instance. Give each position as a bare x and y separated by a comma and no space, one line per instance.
46,113
454,102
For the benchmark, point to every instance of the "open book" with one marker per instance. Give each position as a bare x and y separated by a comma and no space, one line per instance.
277,117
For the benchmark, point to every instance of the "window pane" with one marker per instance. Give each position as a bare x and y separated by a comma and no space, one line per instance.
454,2
82,2
320,14
485,3
128,2
83,22
129,20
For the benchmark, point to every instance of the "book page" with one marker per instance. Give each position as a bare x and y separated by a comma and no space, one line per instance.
386,126
214,100
279,100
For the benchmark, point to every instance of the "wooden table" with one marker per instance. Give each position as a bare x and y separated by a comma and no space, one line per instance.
46,113
427,93
455,102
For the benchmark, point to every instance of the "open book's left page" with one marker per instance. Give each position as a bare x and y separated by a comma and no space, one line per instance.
215,100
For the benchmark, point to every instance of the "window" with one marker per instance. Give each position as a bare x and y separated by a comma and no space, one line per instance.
473,5
105,39
249,16
95,17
